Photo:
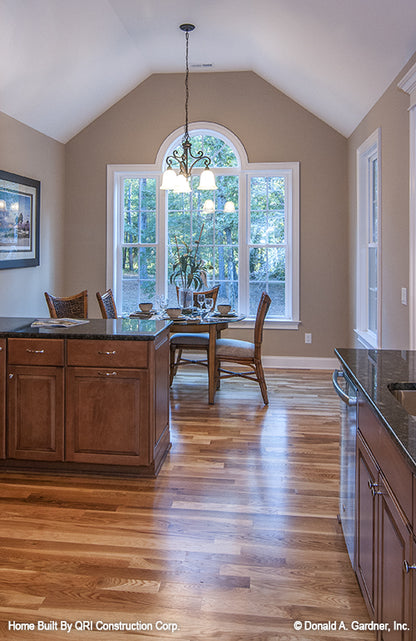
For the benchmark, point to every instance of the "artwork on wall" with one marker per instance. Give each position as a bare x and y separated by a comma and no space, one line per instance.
19,221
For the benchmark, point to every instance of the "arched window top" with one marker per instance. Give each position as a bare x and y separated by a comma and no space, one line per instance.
211,145
219,144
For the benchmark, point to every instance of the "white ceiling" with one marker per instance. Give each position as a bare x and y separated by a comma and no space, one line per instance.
64,62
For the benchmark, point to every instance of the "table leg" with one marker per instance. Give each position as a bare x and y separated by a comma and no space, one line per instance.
211,363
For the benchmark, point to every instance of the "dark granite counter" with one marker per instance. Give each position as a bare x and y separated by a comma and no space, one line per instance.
373,371
95,328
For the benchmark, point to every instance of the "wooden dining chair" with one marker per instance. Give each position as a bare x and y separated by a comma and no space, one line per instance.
190,341
107,305
68,306
245,353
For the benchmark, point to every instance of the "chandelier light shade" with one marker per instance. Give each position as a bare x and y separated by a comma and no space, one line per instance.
186,161
208,207
229,207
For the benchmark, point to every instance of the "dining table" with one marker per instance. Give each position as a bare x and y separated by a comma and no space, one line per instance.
214,323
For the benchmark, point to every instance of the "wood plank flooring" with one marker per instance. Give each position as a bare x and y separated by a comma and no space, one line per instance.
236,540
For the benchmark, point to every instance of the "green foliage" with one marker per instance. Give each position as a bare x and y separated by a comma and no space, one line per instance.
189,270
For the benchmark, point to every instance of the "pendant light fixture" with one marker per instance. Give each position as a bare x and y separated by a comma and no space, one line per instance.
187,160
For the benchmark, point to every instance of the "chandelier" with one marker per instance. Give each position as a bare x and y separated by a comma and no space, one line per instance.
187,160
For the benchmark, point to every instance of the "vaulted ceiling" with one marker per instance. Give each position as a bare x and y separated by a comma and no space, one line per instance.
64,62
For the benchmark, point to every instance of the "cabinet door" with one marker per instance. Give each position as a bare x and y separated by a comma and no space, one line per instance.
393,581
35,421
367,482
412,571
2,398
107,416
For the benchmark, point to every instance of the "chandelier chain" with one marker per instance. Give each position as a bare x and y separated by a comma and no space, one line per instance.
186,84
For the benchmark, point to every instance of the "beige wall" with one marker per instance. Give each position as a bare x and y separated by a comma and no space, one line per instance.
390,113
272,128
26,152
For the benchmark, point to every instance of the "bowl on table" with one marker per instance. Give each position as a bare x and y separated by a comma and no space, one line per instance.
146,307
174,312
224,309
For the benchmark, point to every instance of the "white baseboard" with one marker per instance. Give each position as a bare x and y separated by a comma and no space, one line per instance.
291,362
299,362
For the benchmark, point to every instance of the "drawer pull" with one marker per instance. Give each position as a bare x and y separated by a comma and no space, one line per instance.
35,351
408,567
108,353
107,373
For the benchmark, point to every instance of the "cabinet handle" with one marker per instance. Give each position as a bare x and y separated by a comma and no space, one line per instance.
408,567
11,376
107,373
35,351
373,488
108,353
1,349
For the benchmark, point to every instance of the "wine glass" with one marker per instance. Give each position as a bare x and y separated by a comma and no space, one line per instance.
209,304
162,303
200,299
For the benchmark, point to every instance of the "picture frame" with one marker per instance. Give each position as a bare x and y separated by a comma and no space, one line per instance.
19,221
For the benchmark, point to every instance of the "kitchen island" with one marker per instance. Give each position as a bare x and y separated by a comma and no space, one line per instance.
384,498
92,398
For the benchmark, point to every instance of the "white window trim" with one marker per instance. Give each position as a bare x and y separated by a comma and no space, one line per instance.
369,148
408,85
290,169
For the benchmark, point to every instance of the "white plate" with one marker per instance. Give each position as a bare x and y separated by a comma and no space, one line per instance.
229,315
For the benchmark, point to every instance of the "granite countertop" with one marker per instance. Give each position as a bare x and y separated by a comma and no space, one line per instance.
95,328
372,371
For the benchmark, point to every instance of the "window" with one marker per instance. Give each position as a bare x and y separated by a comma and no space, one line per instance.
368,246
248,228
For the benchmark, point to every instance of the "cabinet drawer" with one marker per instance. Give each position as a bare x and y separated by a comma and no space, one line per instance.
102,353
36,351
389,458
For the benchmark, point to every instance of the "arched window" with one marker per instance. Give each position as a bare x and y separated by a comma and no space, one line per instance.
246,230
208,221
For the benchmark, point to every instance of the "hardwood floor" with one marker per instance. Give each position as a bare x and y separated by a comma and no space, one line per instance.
236,540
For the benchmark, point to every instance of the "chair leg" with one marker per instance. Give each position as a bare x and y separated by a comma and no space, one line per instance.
217,374
262,381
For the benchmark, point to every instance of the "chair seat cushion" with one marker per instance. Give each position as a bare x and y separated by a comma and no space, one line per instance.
189,338
234,348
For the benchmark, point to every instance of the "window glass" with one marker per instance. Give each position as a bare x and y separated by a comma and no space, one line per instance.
268,248
139,241
199,217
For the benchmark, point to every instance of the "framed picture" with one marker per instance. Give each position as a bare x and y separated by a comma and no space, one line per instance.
19,221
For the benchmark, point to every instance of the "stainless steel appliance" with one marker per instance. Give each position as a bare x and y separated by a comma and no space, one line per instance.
348,395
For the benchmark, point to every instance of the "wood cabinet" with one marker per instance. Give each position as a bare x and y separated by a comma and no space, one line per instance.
393,583
412,572
367,481
87,405
107,416
35,399
2,398
384,528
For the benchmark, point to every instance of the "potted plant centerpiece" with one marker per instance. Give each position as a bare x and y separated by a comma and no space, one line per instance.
189,271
